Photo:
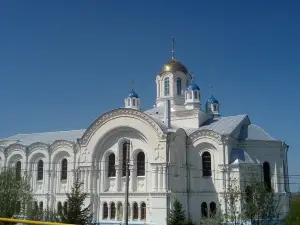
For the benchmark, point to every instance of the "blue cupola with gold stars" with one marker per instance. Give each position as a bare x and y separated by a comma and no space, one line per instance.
132,100
212,106
192,96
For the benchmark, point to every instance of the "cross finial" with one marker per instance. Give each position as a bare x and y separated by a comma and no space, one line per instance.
211,89
192,74
173,48
132,84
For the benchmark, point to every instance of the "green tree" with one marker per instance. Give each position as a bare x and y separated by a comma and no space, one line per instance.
293,216
232,200
75,212
260,203
177,214
15,194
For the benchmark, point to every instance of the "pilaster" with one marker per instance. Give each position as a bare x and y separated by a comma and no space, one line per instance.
154,177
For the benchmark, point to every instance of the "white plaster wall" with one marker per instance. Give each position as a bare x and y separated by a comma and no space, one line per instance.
175,99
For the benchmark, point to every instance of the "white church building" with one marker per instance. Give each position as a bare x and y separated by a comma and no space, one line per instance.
180,148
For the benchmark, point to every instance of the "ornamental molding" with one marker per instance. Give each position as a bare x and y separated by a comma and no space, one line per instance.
35,146
59,144
117,113
118,194
38,145
204,134
13,147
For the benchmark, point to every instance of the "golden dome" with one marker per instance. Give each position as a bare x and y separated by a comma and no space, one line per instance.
173,66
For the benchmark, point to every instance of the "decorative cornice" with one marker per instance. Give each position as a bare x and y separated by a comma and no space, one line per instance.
116,114
204,133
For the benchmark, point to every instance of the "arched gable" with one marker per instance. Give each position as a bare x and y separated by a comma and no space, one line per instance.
59,144
200,136
124,117
122,123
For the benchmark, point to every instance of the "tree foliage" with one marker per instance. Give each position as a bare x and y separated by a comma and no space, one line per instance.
260,203
15,194
75,212
232,200
177,215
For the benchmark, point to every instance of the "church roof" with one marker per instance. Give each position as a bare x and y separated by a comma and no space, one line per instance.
255,132
238,156
46,137
223,125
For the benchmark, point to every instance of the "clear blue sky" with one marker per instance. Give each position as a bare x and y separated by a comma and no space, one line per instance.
63,63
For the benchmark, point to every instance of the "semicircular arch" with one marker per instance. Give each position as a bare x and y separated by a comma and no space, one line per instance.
201,136
128,117
117,136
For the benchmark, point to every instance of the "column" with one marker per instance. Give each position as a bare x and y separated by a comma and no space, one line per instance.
159,174
154,178
109,212
131,178
103,180
57,182
164,177
86,184
118,178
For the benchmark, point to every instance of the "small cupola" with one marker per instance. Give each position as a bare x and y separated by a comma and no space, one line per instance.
132,101
212,106
192,96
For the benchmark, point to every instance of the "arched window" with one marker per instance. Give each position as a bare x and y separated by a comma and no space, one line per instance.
18,207
158,91
195,94
135,213
204,209
267,175
64,169
167,86
112,210
120,211
126,146
105,211
178,83
18,171
59,207
140,164
212,209
248,194
65,208
35,207
40,171
143,211
206,164
111,165
41,206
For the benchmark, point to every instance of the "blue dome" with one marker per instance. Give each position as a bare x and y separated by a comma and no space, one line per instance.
193,87
133,94
212,100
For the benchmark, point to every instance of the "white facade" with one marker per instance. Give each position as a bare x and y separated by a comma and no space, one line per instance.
177,150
